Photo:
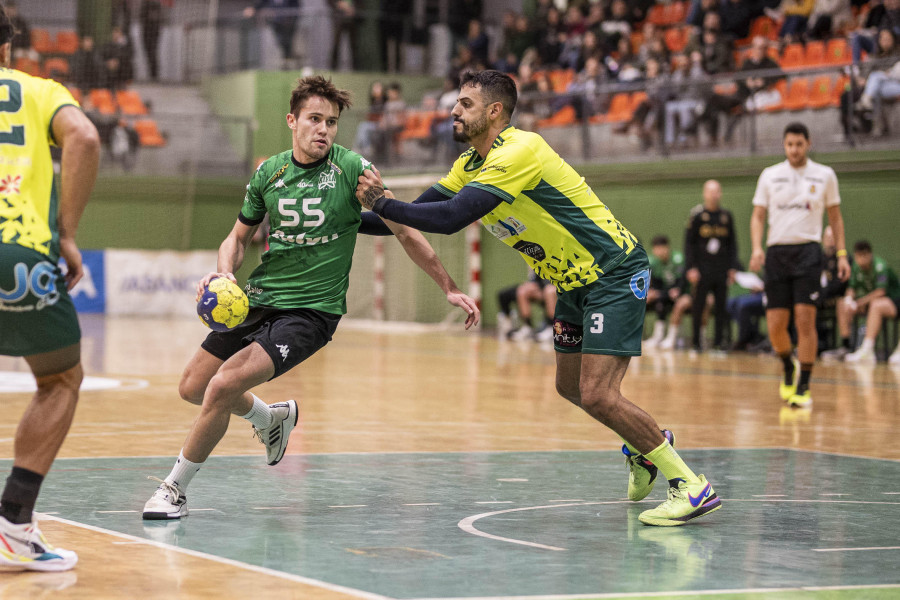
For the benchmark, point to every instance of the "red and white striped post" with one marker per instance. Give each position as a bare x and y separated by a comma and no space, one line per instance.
473,250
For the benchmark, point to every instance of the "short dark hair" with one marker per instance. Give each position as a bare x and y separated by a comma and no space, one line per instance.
496,87
316,85
7,30
862,246
798,128
660,240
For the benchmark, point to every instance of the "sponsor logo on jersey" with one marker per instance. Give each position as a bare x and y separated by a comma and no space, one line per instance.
500,168
283,348
365,164
278,173
327,180
567,335
306,184
10,184
249,290
302,240
334,167
40,281
531,250
280,184
507,227
794,206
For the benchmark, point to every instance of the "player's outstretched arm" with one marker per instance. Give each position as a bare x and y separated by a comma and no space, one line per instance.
231,254
421,253
80,143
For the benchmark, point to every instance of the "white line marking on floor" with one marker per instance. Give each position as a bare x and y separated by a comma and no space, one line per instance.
423,504
349,506
495,502
201,509
272,507
768,495
227,561
511,479
834,494
110,512
568,500
856,549
891,493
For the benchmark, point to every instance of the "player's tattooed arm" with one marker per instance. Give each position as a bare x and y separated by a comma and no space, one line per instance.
370,195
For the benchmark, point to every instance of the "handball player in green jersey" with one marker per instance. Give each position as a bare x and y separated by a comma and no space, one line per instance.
297,294
532,200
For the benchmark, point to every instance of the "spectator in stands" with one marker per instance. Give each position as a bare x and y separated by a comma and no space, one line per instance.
736,18
463,61
874,291
281,16
533,291
87,66
367,131
882,84
667,293
746,310
736,104
478,41
689,83
121,14
151,17
828,17
616,26
390,25
699,9
391,123
550,34
715,49
583,92
118,60
653,45
794,15
710,259
535,97
343,23
460,15
21,42
446,148
637,10
647,116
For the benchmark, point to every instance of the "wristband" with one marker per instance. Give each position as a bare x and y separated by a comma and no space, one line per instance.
841,253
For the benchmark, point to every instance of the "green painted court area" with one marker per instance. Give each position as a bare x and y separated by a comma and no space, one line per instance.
550,524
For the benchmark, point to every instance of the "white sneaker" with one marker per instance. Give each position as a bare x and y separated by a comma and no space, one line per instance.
504,326
837,354
522,334
667,344
167,502
275,436
863,356
545,334
25,547
895,358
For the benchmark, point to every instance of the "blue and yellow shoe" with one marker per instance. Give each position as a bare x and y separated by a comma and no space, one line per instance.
686,501
641,472
803,400
785,390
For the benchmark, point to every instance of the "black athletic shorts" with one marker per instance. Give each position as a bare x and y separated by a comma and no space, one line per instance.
289,336
793,274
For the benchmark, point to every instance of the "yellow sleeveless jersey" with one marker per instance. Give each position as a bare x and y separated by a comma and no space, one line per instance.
28,198
549,214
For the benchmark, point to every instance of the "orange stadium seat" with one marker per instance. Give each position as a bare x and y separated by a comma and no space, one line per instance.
42,42
840,86
560,79
149,134
781,87
820,92
76,93
657,14
619,108
27,65
66,42
815,54
56,67
130,103
676,38
103,101
561,118
676,13
765,27
797,97
637,38
417,125
837,52
792,57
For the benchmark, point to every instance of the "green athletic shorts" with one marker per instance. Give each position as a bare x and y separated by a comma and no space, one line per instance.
36,312
607,316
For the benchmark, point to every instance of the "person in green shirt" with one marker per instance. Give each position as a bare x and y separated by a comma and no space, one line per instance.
874,291
297,294
667,293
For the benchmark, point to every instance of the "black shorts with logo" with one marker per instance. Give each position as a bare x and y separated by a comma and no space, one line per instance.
288,335
793,274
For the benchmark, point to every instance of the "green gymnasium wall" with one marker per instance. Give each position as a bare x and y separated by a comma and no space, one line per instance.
175,213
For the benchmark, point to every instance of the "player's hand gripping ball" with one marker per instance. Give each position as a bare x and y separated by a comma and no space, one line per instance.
223,305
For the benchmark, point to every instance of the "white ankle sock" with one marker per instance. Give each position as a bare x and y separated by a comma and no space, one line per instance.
867,344
659,329
183,471
260,414
671,333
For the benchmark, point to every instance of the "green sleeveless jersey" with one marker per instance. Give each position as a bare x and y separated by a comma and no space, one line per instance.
314,217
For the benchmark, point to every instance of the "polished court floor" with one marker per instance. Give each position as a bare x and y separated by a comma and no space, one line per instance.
444,465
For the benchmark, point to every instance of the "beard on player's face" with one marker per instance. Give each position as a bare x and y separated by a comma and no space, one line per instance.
470,129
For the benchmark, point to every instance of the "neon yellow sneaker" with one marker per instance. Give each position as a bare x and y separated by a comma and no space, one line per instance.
641,472
785,390
685,501
802,400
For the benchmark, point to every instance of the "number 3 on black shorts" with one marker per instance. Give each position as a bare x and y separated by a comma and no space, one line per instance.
597,318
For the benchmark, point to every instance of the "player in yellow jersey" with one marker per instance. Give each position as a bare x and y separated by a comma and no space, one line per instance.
532,200
38,221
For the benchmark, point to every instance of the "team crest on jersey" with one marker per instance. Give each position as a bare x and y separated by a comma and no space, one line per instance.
507,227
327,180
812,189
10,184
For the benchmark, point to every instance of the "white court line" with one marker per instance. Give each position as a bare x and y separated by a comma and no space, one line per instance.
856,549
671,594
227,561
891,493
769,495
512,479
834,494
349,506
423,504
111,512
272,507
494,502
568,500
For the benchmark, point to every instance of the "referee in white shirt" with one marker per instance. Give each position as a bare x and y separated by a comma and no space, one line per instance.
795,193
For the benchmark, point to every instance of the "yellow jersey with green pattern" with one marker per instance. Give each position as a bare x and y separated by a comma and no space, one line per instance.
549,214
28,196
